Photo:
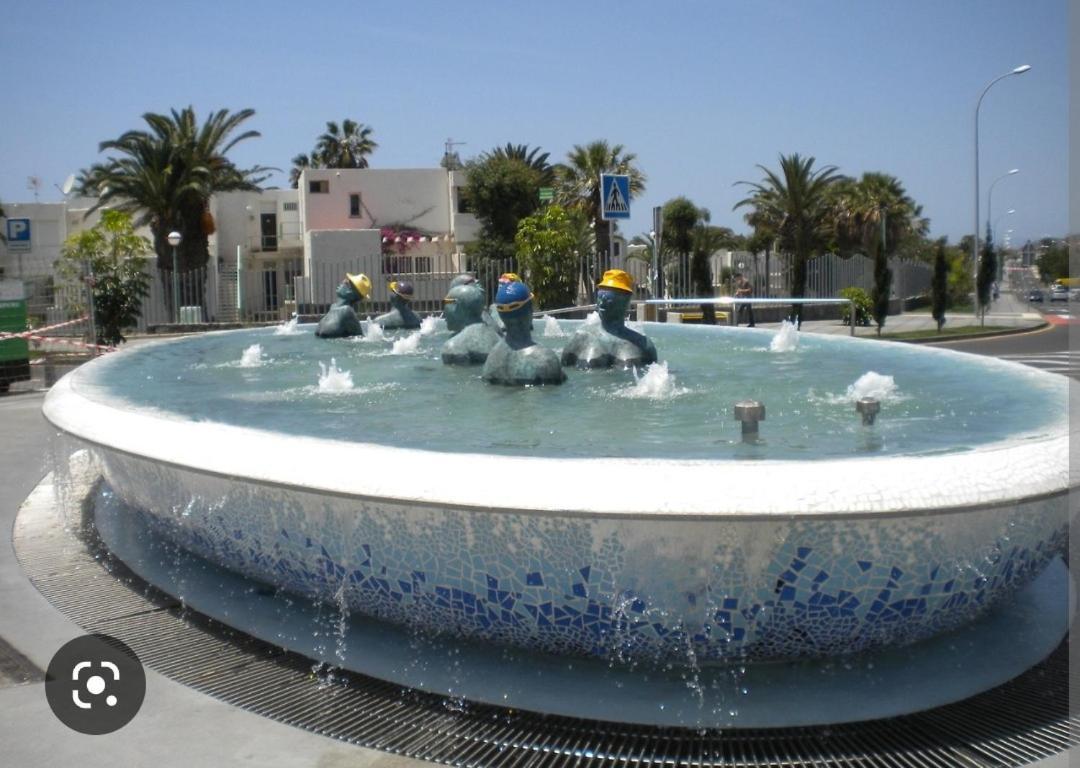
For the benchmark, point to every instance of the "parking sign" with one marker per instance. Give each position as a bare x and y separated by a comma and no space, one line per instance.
18,234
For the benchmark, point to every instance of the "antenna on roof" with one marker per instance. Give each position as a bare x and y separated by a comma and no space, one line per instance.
451,161
69,184
34,183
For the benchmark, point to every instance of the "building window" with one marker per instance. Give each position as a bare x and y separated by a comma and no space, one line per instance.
319,186
290,206
463,205
354,205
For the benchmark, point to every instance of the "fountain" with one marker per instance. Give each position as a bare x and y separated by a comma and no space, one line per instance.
620,517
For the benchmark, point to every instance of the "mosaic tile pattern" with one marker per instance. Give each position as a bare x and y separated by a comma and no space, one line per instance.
626,589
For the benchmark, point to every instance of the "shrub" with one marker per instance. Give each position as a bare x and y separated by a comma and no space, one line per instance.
863,306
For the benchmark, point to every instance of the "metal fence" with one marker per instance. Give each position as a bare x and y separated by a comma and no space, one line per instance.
221,295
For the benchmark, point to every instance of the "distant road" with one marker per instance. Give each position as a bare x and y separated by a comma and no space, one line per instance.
1047,348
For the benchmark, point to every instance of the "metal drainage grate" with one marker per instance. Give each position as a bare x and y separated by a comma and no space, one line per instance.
1022,721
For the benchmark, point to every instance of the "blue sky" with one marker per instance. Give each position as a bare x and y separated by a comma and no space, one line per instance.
702,91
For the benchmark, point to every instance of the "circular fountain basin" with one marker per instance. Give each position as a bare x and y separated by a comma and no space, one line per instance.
607,517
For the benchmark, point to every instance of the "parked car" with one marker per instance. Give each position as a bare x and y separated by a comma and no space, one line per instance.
1036,295
1059,293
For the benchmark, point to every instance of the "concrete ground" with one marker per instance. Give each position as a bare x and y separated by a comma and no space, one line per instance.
177,726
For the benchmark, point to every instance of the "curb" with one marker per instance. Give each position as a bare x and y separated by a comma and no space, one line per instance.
969,336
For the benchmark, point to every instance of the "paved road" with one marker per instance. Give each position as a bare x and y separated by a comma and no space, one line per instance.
1047,348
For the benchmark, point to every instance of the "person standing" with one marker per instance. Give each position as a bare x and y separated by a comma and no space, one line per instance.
743,290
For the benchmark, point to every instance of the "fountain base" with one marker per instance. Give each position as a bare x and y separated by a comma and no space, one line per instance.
885,683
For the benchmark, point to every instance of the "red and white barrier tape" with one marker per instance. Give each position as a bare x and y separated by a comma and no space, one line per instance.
4,336
37,340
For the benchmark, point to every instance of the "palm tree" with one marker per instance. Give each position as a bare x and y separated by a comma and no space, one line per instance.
793,205
345,147
166,175
876,216
531,157
578,181
300,164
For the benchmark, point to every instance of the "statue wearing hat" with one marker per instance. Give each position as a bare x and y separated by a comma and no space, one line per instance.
493,314
516,359
341,319
610,343
401,314
464,314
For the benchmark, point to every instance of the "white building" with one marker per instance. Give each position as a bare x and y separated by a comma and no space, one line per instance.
389,224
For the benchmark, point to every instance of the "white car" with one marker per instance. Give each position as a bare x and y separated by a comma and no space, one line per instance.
1059,293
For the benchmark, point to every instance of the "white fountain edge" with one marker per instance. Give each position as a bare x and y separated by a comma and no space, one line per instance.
1001,473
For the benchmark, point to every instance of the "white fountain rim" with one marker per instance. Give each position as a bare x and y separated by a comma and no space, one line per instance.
1006,472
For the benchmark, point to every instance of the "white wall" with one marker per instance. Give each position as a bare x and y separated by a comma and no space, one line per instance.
237,218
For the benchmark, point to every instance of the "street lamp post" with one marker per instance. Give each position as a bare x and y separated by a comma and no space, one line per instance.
1009,212
174,240
975,242
990,199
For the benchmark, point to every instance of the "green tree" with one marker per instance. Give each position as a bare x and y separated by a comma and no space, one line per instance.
986,275
578,182
113,258
344,146
1053,260
546,246
875,216
502,191
939,284
794,206
165,176
535,158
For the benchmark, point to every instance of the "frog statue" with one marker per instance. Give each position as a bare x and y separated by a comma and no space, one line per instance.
463,310
516,359
610,343
341,319
401,314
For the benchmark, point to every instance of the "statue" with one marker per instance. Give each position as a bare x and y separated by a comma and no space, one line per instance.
611,342
473,338
400,314
516,359
493,313
341,319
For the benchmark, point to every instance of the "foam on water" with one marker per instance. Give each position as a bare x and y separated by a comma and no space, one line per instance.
552,327
786,339
333,379
252,357
407,345
288,328
373,332
429,325
593,318
656,383
872,384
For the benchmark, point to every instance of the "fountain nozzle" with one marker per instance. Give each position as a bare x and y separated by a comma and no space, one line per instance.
749,412
869,408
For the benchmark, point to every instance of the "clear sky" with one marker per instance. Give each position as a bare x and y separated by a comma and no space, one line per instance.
701,90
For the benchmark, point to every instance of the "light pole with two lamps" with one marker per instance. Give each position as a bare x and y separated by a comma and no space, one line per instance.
174,238
975,242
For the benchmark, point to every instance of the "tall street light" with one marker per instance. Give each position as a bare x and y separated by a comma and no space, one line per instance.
975,242
990,200
174,240
1009,212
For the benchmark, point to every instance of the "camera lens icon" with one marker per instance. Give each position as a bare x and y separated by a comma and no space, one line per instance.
95,684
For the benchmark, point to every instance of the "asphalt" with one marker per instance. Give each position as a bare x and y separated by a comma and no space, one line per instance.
178,726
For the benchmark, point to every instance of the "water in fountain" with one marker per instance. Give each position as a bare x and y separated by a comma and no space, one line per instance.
875,385
333,379
288,328
373,332
429,325
593,318
552,328
408,345
252,357
786,340
656,383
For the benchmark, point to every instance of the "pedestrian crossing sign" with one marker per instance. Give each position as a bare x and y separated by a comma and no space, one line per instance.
614,196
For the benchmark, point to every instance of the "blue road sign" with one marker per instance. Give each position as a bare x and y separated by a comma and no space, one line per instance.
614,196
18,234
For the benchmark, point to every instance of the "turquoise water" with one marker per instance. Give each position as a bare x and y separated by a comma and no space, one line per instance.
938,402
